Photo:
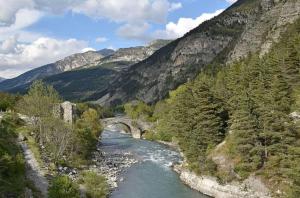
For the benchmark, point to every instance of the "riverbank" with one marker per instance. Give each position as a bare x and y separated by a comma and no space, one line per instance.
250,188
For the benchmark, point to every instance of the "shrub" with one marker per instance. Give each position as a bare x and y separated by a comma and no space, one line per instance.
149,135
95,185
63,187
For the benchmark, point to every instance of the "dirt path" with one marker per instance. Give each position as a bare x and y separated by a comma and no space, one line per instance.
33,171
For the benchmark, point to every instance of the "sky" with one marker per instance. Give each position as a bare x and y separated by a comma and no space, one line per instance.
37,32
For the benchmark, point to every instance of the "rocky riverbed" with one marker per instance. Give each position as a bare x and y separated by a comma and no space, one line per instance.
111,165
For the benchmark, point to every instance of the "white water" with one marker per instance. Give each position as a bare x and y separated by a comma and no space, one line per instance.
152,176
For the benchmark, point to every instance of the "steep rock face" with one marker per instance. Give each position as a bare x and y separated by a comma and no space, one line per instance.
132,55
260,34
247,26
67,64
75,61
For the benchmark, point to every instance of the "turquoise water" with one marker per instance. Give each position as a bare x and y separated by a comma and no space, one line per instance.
152,176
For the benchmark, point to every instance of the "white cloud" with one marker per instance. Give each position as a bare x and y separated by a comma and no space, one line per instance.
8,46
23,18
175,6
12,7
231,1
127,11
184,25
16,15
87,49
134,31
8,12
101,39
40,52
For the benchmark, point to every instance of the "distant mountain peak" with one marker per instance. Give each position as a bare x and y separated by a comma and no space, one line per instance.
2,79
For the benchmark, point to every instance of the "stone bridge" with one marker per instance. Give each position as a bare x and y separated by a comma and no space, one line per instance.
135,127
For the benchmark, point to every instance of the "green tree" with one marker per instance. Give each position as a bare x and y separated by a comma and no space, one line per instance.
88,130
38,104
8,101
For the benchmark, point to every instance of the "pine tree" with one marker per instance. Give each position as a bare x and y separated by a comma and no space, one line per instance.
207,131
245,131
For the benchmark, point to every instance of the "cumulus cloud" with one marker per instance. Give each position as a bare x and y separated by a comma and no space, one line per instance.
134,31
184,25
115,10
127,10
23,18
20,57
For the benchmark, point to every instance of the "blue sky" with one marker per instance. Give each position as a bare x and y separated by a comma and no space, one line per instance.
37,32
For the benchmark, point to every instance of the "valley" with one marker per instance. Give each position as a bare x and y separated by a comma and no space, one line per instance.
209,108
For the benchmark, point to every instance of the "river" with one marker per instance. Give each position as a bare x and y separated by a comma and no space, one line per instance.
151,176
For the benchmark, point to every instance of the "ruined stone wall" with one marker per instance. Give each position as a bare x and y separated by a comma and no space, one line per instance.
65,111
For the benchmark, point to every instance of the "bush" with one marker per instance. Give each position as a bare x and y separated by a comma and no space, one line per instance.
12,165
63,187
95,185
7,101
149,135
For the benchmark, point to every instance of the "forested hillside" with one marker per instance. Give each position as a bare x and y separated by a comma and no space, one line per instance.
251,106
248,26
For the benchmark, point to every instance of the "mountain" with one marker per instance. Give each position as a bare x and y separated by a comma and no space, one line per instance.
133,54
66,64
89,81
247,26
86,84
117,60
2,79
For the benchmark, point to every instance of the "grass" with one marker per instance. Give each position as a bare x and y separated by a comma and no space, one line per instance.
95,185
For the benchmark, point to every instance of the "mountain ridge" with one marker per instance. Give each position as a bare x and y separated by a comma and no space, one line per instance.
222,39
118,60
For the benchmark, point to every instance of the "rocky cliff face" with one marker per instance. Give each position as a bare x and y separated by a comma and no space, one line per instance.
261,33
247,26
132,55
252,187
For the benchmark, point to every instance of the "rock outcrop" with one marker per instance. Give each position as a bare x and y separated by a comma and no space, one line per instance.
250,188
132,55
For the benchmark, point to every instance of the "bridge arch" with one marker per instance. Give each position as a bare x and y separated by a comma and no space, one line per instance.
133,126
124,126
